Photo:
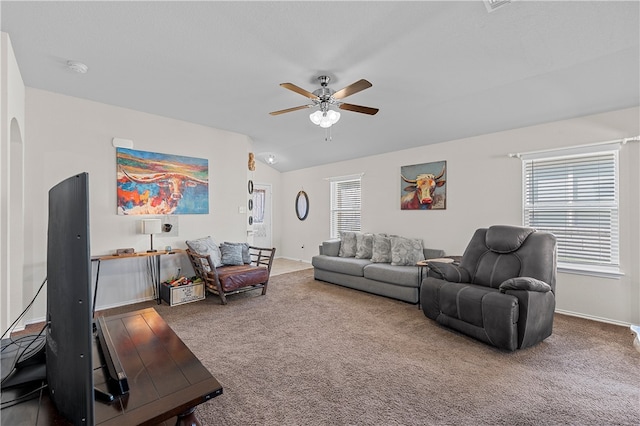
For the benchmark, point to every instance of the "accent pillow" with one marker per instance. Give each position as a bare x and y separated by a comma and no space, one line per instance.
381,251
231,254
364,246
246,257
348,244
206,246
406,251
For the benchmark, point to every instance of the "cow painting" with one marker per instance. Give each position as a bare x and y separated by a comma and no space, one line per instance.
426,189
160,184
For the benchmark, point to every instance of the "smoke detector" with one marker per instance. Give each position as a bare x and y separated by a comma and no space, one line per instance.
495,4
78,67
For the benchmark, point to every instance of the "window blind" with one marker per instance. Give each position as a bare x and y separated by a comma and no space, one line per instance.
575,197
345,206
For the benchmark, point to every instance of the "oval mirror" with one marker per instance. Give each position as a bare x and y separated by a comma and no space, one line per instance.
250,204
302,205
250,186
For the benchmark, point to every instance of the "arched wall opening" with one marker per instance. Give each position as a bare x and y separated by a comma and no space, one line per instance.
14,214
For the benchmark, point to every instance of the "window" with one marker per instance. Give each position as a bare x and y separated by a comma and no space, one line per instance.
258,205
345,205
574,195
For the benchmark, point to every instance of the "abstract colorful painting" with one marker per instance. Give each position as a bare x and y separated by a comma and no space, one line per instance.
154,183
427,186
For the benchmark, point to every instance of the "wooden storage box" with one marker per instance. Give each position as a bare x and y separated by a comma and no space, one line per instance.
182,294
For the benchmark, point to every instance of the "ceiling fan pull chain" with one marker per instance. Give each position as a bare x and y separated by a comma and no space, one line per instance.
327,136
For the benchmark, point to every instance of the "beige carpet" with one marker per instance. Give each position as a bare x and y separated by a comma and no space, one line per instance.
312,353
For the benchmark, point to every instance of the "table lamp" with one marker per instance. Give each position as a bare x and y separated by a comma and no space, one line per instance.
150,227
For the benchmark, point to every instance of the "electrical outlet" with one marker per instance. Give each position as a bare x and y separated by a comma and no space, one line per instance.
241,210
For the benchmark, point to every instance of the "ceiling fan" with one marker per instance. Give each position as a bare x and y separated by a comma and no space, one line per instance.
324,97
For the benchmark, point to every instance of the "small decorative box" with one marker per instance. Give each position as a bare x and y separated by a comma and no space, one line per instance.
181,294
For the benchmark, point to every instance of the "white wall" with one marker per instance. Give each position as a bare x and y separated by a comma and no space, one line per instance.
483,188
68,135
12,120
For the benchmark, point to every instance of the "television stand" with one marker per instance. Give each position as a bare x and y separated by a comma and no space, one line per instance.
170,388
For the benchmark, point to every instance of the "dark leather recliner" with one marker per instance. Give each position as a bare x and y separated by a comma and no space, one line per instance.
503,290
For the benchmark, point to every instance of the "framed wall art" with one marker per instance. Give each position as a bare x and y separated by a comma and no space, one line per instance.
154,183
424,186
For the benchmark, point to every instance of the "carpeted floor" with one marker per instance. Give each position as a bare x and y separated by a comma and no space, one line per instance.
312,353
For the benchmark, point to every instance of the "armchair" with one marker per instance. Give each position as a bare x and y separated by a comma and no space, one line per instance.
231,279
503,290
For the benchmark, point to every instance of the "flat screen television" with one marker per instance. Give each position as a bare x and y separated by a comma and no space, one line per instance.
69,332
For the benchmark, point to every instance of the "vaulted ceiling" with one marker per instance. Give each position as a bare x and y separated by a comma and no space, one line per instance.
440,70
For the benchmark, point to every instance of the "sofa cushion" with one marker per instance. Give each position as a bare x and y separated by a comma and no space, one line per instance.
406,276
494,268
364,243
524,283
381,252
341,265
348,244
406,251
330,248
238,276
505,239
477,305
206,247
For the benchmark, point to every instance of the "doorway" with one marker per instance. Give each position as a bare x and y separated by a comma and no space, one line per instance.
262,219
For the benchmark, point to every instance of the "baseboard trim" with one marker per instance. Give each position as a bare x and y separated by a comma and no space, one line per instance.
592,318
296,260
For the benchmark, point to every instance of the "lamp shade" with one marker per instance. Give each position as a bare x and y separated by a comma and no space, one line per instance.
151,226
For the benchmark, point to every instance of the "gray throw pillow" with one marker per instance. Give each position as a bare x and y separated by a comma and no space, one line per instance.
406,251
206,246
381,252
364,246
246,257
231,254
348,244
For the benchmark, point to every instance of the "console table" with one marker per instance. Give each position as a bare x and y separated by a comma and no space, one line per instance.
153,263
166,380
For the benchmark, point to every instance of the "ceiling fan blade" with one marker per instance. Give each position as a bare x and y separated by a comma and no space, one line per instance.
352,88
359,108
299,90
282,111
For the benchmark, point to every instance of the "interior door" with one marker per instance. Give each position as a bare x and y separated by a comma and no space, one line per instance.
262,222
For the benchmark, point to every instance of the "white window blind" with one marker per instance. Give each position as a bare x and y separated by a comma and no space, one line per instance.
575,197
345,205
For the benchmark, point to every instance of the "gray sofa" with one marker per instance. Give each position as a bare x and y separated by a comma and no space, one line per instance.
384,279
502,292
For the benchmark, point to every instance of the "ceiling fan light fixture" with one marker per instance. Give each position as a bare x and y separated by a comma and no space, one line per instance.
325,119
316,117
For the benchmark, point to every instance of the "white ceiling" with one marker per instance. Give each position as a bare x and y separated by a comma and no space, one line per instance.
440,70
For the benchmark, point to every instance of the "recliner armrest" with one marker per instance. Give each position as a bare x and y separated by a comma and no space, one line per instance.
448,272
524,283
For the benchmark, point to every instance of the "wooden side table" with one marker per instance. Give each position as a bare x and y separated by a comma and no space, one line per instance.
153,260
